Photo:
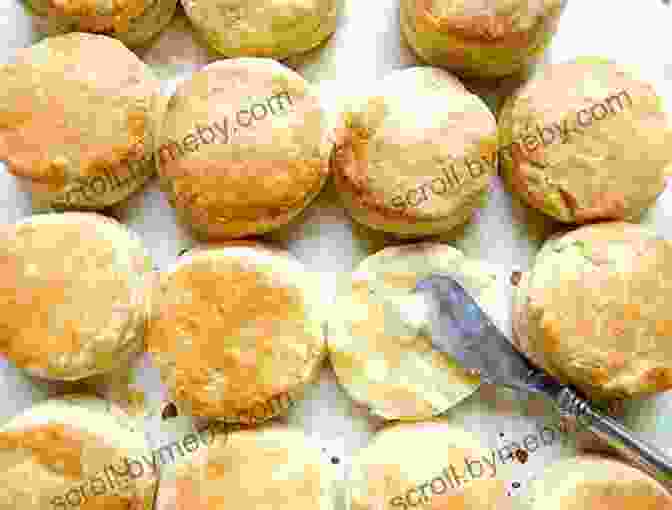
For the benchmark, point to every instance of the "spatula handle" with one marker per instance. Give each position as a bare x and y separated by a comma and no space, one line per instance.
645,455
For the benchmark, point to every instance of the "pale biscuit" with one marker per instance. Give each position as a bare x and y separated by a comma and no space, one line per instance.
592,310
488,38
73,452
74,296
379,346
78,116
263,28
266,467
591,482
237,332
133,22
424,465
586,140
416,156
244,148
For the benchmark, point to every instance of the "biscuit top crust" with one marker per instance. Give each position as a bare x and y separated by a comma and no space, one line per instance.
586,140
417,156
593,482
243,139
596,311
99,15
290,473
402,460
75,105
45,458
262,28
234,326
486,20
73,294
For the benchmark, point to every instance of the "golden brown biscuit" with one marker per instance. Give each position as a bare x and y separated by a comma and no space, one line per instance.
592,310
595,483
415,156
133,22
237,332
431,464
263,28
71,452
586,141
74,295
77,115
488,38
244,148
378,346
268,467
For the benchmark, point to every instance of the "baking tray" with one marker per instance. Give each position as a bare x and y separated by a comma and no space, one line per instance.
366,46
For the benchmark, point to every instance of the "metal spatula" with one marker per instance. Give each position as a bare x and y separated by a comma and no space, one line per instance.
459,327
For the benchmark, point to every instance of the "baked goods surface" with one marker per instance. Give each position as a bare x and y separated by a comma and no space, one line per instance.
237,332
591,481
431,464
263,28
265,467
73,452
486,38
244,148
416,155
78,113
592,310
586,140
74,296
134,22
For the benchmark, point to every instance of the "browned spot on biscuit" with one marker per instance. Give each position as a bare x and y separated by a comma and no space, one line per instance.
664,327
59,447
606,205
479,28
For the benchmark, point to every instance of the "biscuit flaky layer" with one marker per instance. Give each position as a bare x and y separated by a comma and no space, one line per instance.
415,164
73,301
267,467
77,116
388,363
244,148
236,332
488,38
69,453
595,483
586,140
422,465
593,312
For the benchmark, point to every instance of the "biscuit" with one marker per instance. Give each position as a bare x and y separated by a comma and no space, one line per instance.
267,467
78,117
263,28
74,295
416,156
237,332
385,360
486,38
592,482
244,148
592,311
71,452
585,141
430,464
133,22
